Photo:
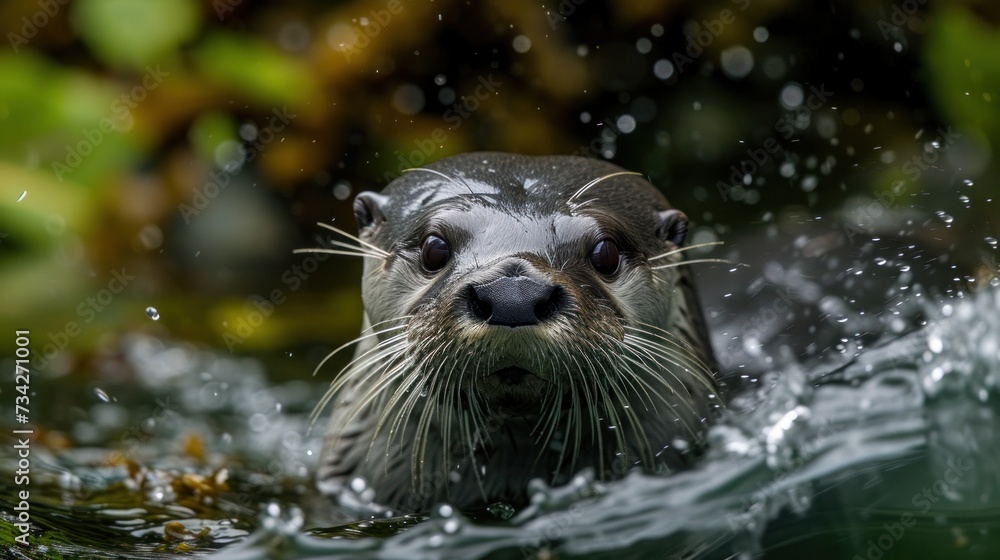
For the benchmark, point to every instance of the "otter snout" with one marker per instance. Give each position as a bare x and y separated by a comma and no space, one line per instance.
513,301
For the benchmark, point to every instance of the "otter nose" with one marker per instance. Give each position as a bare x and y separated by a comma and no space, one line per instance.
514,301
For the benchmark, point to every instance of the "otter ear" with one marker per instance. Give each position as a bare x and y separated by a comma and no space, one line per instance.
672,227
368,210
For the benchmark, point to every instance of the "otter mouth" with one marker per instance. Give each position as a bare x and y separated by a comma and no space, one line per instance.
510,376
512,390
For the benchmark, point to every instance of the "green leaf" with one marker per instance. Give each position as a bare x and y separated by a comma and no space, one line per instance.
961,54
127,33
255,68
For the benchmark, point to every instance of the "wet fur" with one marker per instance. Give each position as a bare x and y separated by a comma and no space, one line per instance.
417,416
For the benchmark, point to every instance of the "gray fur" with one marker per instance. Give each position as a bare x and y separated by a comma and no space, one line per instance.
621,374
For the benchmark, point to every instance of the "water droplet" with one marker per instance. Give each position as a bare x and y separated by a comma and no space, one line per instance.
102,395
248,131
522,44
408,99
342,190
736,62
451,526
23,194
152,313
992,241
358,484
935,344
626,123
791,96
663,69
501,510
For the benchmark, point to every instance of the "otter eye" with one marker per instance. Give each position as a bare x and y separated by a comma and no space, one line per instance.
435,253
604,257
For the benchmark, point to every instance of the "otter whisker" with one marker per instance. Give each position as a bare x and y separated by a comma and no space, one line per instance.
353,342
339,252
649,397
583,204
388,373
686,248
390,348
410,388
442,391
477,425
406,389
451,404
573,419
478,414
374,248
626,374
657,375
674,390
372,355
449,390
684,351
698,261
586,187
353,250
595,419
418,460
473,466
446,176
360,369
643,346
602,383
414,388
548,420
677,354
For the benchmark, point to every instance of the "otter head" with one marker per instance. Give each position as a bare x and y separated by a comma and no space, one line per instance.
542,291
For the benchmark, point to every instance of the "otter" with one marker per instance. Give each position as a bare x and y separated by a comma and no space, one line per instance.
525,317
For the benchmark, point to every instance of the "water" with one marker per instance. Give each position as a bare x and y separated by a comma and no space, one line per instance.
882,442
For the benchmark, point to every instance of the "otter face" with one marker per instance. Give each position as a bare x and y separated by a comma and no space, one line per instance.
538,289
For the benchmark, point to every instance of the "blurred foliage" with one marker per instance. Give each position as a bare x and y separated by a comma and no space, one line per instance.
118,118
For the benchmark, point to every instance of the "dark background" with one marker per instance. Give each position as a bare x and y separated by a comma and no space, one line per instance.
369,88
